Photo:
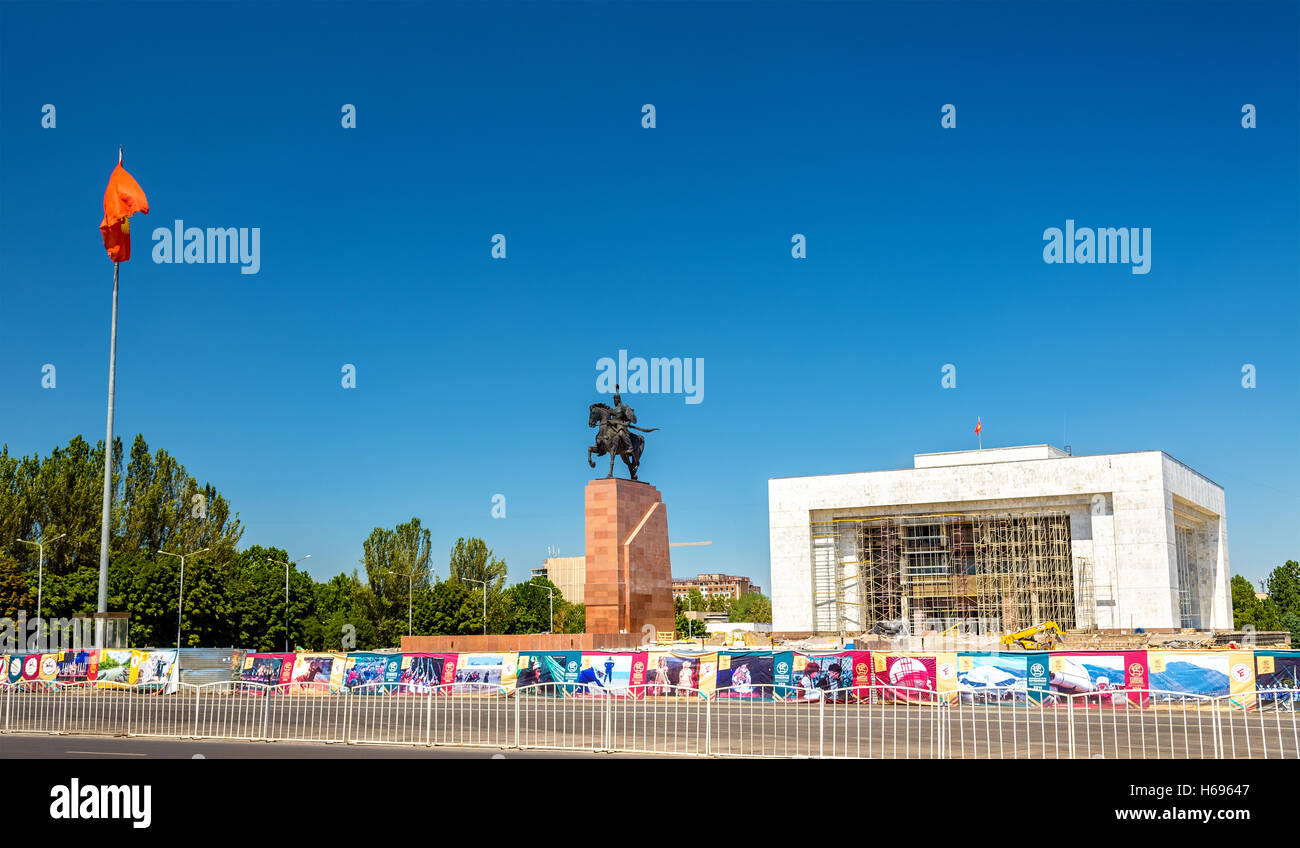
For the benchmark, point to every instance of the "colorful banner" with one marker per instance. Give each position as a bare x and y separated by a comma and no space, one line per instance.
158,670
1100,676
268,669
1207,674
1013,676
1277,677
427,673
117,667
541,672
640,666
319,674
828,676
746,674
473,671
605,673
364,671
680,675
77,666
912,676
49,666
1094,678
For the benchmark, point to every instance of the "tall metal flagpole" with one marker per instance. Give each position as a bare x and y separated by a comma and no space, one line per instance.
102,605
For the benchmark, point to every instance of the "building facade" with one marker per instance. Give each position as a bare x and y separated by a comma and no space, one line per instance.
1002,539
714,586
569,574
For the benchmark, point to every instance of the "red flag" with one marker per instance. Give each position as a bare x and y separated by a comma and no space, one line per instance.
978,426
122,199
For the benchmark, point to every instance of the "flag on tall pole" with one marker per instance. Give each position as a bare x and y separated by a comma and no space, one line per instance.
122,199
979,428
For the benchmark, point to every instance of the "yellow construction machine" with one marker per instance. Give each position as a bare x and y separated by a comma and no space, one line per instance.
1040,637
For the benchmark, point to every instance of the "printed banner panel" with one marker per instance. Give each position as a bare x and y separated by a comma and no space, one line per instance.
605,673
117,667
318,674
1208,674
267,669
77,666
746,674
1277,677
548,673
477,673
829,676
366,672
671,674
1101,677
158,670
426,673
1002,677
911,677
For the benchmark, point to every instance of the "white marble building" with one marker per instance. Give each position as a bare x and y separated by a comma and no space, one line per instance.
1147,534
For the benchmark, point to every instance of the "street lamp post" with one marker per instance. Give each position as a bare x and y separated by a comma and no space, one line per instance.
410,595
551,590
40,568
482,583
287,566
180,598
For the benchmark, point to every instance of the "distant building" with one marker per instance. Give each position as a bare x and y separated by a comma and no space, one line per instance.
569,574
1002,539
714,586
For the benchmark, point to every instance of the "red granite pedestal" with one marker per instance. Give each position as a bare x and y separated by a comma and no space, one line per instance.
629,576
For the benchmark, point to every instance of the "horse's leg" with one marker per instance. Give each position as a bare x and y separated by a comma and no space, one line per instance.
612,457
590,461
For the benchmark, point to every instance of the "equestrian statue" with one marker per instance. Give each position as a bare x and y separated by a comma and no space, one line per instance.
615,436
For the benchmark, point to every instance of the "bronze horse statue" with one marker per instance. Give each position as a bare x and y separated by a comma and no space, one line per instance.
610,440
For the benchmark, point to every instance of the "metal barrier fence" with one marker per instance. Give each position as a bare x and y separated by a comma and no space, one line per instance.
750,721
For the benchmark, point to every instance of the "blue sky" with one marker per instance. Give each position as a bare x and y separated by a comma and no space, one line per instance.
474,375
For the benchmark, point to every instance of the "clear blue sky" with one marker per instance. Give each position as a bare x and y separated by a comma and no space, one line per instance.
474,375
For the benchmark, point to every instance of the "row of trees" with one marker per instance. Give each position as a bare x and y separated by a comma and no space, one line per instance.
237,597
1280,610
233,597
750,607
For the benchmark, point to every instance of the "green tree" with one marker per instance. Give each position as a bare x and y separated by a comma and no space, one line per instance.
690,628
14,592
720,603
752,607
571,619
472,559
1248,610
530,606
154,505
1284,587
446,609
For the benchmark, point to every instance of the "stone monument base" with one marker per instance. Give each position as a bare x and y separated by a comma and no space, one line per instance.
629,585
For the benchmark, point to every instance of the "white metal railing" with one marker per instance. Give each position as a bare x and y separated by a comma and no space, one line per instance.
751,721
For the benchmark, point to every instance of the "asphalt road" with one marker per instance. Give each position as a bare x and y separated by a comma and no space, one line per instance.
669,726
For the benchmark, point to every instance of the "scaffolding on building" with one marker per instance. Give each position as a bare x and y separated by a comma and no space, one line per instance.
1189,601
982,573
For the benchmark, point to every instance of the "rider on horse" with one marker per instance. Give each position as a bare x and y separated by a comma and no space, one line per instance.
615,436
620,418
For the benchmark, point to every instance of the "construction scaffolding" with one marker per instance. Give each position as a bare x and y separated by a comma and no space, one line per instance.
1189,596
980,573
